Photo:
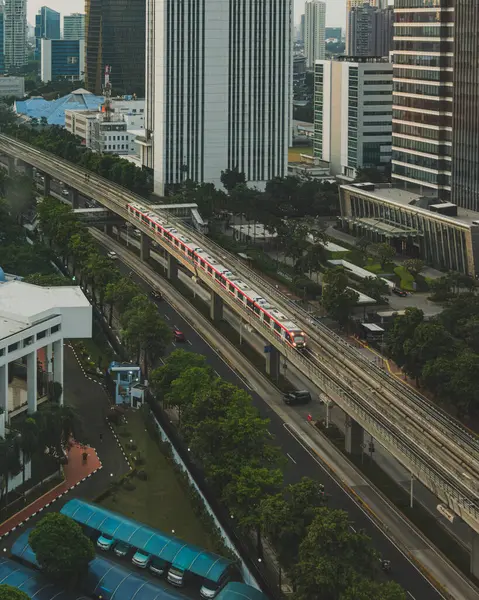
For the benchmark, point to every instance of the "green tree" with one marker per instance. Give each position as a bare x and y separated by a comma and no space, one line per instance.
230,178
383,252
56,425
414,265
331,557
244,493
100,272
10,464
29,440
367,589
175,364
119,294
337,298
61,548
375,287
429,341
144,332
193,382
287,515
403,329
7,592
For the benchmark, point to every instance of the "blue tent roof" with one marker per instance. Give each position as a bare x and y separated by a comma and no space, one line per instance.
54,110
32,583
107,579
240,591
171,549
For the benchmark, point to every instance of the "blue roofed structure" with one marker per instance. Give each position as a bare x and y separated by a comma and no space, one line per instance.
32,583
105,579
173,550
54,110
240,591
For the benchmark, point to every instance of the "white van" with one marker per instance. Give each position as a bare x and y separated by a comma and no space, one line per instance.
176,576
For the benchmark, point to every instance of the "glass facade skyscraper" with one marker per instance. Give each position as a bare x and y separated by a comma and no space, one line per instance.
15,34
422,96
47,26
465,127
74,27
115,33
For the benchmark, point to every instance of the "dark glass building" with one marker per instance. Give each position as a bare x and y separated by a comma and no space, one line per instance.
47,27
423,95
115,33
465,128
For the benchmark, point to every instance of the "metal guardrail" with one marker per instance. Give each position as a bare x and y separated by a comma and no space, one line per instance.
393,436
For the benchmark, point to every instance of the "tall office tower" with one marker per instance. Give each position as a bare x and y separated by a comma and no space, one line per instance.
301,27
74,26
2,55
370,31
15,32
218,89
422,96
47,27
314,31
465,124
353,113
115,37
350,4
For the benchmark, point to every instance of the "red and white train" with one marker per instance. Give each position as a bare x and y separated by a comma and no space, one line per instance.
282,326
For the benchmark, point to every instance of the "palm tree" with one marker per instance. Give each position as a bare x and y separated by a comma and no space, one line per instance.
29,441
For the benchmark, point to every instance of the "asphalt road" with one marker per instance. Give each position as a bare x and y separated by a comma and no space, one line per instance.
301,463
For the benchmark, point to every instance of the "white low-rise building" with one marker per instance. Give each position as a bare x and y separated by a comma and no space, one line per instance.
34,322
12,86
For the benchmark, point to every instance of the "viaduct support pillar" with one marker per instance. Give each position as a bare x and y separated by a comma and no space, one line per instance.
273,361
28,170
46,185
172,267
144,247
73,196
354,436
11,165
32,383
108,229
216,307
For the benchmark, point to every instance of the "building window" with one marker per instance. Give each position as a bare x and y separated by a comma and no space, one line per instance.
41,334
55,328
13,347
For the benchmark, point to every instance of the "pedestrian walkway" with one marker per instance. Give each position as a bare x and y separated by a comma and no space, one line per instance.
76,471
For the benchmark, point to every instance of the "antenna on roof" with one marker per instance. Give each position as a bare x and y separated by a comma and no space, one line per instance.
106,106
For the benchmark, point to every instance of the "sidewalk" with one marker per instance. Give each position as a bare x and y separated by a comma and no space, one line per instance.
74,473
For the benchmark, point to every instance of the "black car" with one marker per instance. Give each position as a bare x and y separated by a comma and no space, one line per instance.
298,397
399,292
156,295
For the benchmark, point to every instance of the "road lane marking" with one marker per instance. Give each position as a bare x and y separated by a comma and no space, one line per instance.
167,317
298,436
189,342
410,595
352,529
217,374
291,458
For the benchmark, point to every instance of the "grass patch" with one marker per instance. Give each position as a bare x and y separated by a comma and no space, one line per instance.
406,279
161,501
96,348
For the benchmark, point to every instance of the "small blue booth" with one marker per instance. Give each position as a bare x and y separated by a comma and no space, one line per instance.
125,377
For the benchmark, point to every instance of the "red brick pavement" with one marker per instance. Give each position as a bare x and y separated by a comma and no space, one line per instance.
74,472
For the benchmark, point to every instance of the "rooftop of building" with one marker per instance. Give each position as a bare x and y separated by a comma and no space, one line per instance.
399,196
23,304
54,110
359,59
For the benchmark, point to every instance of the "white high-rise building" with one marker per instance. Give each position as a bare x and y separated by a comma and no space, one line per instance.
218,89
74,26
15,34
314,32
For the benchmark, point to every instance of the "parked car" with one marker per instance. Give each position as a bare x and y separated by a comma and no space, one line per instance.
121,549
104,542
158,566
141,559
65,193
399,292
176,576
178,335
209,589
297,397
156,295
112,255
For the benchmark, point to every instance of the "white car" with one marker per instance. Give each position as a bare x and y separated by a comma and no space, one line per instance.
112,255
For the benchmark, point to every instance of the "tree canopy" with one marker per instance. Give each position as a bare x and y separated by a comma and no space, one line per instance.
61,548
7,592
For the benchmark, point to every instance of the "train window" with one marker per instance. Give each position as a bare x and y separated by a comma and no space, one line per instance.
223,281
190,253
217,276
176,242
203,264
266,318
256,309
277,327
210,270
232,288
249,304
182,246
144,218
240,296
